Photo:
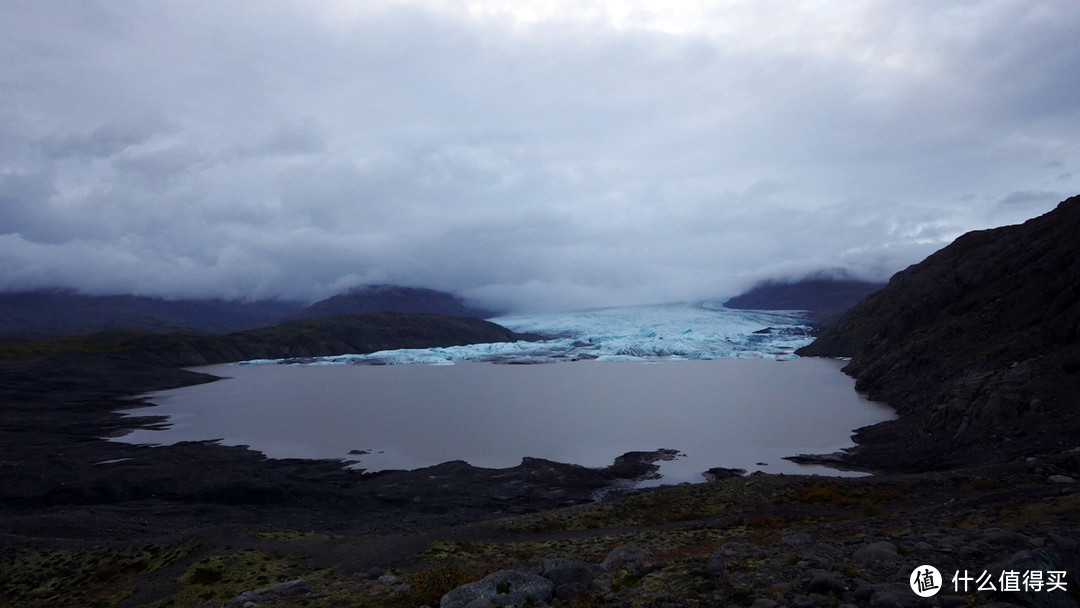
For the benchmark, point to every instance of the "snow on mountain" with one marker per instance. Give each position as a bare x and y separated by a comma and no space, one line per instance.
672,332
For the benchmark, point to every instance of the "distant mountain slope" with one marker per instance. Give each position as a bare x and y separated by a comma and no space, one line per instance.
977,348
62,313
391,298
826,299
343,334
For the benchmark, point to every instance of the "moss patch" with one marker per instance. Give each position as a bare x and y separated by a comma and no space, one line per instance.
223,577
71,577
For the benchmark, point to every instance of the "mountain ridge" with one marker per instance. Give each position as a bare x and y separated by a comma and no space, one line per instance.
826,299
46,313
60,312
391,298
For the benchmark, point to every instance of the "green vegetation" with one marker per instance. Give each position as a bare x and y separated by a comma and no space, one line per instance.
431,583
223,577
67,577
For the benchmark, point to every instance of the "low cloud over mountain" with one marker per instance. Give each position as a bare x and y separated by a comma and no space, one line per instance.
525,155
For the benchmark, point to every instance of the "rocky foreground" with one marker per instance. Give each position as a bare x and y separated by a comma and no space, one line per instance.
761,540
86,522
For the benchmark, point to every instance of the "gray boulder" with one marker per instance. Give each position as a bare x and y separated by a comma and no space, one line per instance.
562,571
278,592
1044,560
634,560
508,588
822,581
568,591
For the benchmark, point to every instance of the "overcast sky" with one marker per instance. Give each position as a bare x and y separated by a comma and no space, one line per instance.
523,154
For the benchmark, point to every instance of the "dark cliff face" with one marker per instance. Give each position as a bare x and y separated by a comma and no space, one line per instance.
977,348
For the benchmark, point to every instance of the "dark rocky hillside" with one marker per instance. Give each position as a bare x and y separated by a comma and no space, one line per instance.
826,299
977,348
391,298
343,334
45,313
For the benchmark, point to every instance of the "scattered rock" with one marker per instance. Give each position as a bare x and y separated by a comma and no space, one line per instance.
953,601
864,592
716,565
969,553
796,540
884,600
1007,539
1060,479
882,551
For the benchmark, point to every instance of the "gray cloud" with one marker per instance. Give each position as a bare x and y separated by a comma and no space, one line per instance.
103,141
533,160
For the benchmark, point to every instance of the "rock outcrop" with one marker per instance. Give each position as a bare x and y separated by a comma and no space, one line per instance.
977,348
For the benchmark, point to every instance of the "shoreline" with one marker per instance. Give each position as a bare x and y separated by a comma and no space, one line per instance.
59,411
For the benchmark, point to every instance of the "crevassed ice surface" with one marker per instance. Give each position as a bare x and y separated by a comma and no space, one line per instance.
704,330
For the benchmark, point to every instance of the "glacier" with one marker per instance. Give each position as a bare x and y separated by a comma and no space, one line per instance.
664,332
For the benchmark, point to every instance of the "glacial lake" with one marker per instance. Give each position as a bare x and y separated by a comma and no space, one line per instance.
735,413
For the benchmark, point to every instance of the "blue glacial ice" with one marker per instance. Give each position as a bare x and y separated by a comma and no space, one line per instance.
668,332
